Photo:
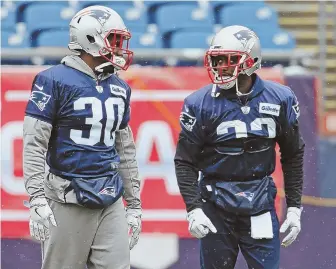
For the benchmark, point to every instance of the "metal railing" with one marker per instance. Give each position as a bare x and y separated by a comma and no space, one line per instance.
294,57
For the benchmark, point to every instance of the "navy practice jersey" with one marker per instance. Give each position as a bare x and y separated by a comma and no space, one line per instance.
84,119
233,140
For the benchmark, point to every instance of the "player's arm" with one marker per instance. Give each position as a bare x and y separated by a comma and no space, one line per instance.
37,129
292,153
189,146
128,169
36,134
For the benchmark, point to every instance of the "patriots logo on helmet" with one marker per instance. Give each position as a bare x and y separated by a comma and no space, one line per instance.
108,191
244,36
40,99
187,121
248,195
100,15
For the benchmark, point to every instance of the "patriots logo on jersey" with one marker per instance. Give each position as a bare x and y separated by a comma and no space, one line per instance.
187,121
296,110
244,36
40,99
248,195
108,191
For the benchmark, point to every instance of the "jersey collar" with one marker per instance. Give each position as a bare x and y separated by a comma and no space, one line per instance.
257,88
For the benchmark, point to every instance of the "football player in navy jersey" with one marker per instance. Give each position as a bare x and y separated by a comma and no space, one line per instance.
77,122
226,154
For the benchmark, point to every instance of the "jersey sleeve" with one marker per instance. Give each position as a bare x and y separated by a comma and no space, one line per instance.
189,146
292,146
292,112
42,101
127,112
191,123
289,122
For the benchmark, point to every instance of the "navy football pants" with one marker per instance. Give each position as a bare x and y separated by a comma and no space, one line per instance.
220,250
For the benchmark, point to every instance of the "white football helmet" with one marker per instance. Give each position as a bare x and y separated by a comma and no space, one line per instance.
100,31
238,47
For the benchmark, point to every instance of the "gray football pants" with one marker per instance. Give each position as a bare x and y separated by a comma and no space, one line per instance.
96,238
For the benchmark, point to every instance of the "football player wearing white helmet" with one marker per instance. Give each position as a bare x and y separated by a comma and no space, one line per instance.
229,132
234,55
77,120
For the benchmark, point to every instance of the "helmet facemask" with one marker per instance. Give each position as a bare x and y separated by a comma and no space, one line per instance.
116,51
224,66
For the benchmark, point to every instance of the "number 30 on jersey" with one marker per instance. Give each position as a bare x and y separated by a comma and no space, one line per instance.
97,115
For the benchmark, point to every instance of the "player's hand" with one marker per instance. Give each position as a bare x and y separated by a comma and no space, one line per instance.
292,222
199,223
133,217
41,216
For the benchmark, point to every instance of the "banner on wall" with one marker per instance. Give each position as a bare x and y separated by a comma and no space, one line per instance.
157,98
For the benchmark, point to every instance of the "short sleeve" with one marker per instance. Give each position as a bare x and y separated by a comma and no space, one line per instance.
191,123
42,100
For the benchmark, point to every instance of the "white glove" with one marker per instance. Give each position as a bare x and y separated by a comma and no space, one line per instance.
41,216
294,223
133,217
199,223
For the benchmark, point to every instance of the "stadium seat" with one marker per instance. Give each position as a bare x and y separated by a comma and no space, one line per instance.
5,35
141,40
190,39
137,28
155,2
248,14
235,2
12,3
259,28
8,18
9,39
175,16
278,40
115,3
40,16
182,24
53,38
132,16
